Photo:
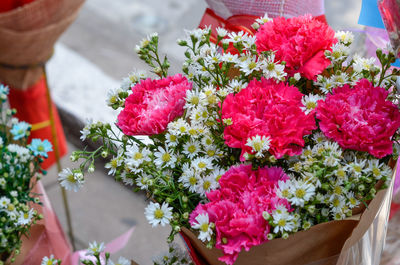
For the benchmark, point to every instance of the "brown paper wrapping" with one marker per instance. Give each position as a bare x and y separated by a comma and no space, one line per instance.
27,37
323,244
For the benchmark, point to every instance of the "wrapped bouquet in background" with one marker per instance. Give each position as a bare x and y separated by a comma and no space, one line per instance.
19,171
285,132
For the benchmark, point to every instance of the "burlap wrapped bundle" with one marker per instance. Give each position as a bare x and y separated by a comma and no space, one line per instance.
27,37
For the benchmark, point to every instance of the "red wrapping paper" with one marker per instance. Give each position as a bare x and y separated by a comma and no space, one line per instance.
32,107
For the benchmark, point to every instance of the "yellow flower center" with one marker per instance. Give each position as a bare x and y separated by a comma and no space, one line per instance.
206,185
282,222
195,100
166,157
193,180
357,168
204,227
114,163
252,65
311,105
201,165
338,190
285,193
307,152
70,178
376,171
172,138
11,207
138,156
341,173
192,149
158,214
211,153
300,193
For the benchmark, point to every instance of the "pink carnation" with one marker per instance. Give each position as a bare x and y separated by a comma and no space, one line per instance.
299,41
153,104
269,109
360,118
236,208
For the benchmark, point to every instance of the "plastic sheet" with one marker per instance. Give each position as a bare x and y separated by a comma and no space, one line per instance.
274,8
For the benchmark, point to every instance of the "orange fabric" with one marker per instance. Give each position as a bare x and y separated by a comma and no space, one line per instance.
32,107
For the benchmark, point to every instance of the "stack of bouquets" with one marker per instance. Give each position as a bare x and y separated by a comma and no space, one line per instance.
19,171
287,132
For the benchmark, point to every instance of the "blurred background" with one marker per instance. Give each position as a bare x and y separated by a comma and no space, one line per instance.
93,56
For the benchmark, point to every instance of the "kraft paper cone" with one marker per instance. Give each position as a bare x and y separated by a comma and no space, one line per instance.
323,244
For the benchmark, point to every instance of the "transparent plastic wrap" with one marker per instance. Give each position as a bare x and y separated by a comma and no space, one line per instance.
274,8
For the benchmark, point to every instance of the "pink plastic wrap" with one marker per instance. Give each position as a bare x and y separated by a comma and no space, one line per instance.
46,238
274,8
390,12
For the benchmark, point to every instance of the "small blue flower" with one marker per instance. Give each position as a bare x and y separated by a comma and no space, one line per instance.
40,148
4,90
20,130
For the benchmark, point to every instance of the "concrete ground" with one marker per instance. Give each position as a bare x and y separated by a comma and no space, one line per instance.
92,57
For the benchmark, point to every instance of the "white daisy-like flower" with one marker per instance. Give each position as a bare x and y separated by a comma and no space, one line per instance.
136,75
309,103
95,248
272,69
164,157
357,167
249,42
283,190
264,19
157,214
206,184
126,179
202,164
340,79
235,86
249,65
49,260
217,173
189,180
25,218
374,167
337,203
143,181
194,99
339,52
203,225
70,180
4,201
352,201
14,193
331,161
221,32
319,137
178,127
191,149
171,139
212,59
121,261
22,152
302,192
360,64
86,130
325,84
114,163
112,96
237,36
345,37
229,58
136,156
283,222
259,144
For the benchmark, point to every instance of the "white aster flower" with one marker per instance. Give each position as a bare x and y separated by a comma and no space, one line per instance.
357,168
4,201
352,201
189,180
319,137
259,144
143,181
325,84
221,32
264,19
360,64
95,248
157,214
230,58
49,260
136,156
283,222
112,96
345,37
302,192
202,163
309,102
178,127
164,157
171,139
283,190
121,261
237,36
14,193
114,163
25,218
70,180
249,65
191,149
86,130
206,184
339,52
272,69
204,227
126,179
340,80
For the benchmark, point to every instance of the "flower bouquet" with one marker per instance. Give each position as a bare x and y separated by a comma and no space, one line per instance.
19,171
266,154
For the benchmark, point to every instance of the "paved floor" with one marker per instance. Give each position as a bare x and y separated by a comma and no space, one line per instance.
92,57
